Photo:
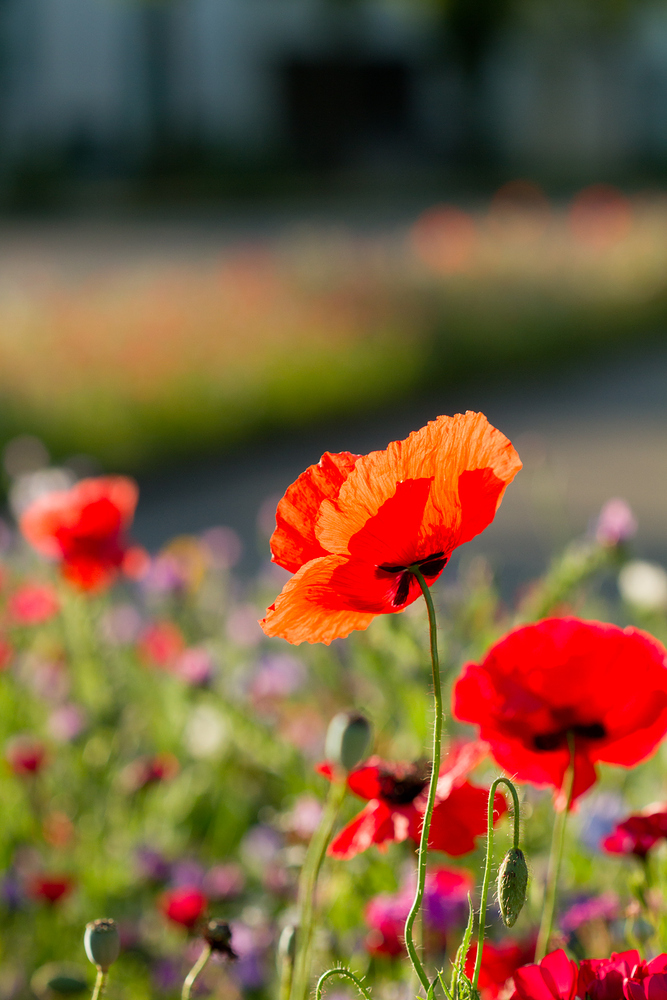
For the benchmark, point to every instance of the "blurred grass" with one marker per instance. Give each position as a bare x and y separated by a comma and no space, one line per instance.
138,365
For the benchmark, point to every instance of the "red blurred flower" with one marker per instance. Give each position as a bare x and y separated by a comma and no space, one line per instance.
397,794
6,653
499,963
605,685
148,771
33,604
637,834
184,905
350,527
161,644
26,755
49,888
554,978
84,528
624,975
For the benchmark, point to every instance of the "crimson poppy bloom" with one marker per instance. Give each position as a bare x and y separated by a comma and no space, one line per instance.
350,527
639,833
554,978
33,604
26,755
84,528
161,644
50,888
184,905
397,794
624,976
604,685
146,771
499,963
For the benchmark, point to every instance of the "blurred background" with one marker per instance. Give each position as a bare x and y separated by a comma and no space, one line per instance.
236,233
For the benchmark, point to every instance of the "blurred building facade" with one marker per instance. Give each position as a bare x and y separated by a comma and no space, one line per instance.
102,82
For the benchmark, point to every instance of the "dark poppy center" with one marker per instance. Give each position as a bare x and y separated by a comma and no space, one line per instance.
400,788
431,566
557,740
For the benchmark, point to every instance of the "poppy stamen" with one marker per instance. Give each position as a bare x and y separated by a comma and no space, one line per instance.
557,740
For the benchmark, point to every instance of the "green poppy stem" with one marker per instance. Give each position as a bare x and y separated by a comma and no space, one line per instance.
198,967
432,788
100,983
481,930
308,889
555,858
347,974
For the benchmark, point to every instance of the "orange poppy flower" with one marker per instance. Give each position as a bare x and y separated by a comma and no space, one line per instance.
351,526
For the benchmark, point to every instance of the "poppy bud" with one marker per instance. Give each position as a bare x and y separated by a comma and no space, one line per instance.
348,737
102,943
218,936
512,882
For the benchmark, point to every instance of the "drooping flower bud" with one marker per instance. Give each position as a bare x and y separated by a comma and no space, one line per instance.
218,936
102,943
512,882
348,738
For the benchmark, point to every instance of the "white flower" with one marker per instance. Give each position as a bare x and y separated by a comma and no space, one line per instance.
206,732
644,584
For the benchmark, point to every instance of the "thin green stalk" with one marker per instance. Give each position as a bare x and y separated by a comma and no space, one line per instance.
347,974
432,788
100,983
194,972
308,888
481,930
555,859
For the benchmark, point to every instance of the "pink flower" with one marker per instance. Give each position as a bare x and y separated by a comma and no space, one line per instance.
33,604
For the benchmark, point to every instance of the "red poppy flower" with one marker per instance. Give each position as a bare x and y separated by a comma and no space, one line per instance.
499,963
639,833
84,528
350,527
50,888
149,771
184,905
26,755
161,644
605,685
397,794
33,604
554,978
624,976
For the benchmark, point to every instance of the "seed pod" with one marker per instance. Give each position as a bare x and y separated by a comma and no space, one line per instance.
102,943
348,737
218,936
512,882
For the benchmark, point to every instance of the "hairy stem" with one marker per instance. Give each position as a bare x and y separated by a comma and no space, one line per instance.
432,788
194,972
347,974
555,859
308,888
100,983
481,930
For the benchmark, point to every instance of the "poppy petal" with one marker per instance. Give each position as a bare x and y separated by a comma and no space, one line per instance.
442,450
293,542
308,610
373,825
365,781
